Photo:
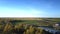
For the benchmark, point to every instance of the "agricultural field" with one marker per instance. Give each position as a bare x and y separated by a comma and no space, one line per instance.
26,25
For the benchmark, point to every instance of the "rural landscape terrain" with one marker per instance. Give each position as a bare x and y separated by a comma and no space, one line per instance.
29,25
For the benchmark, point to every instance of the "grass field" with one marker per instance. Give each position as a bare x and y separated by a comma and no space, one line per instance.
16,25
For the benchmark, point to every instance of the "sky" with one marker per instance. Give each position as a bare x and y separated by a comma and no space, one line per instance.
29,8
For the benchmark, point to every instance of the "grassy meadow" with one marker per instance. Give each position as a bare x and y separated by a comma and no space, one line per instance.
25,25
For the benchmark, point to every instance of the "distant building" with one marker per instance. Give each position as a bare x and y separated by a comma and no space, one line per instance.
57,25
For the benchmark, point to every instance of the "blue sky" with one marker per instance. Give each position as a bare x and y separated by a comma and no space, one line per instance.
29,8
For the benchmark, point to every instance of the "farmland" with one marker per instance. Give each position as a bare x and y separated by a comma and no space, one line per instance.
26,25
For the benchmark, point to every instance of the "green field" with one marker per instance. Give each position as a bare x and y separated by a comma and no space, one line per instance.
41,21
13,25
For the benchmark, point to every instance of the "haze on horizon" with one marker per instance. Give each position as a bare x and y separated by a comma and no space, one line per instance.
29,8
